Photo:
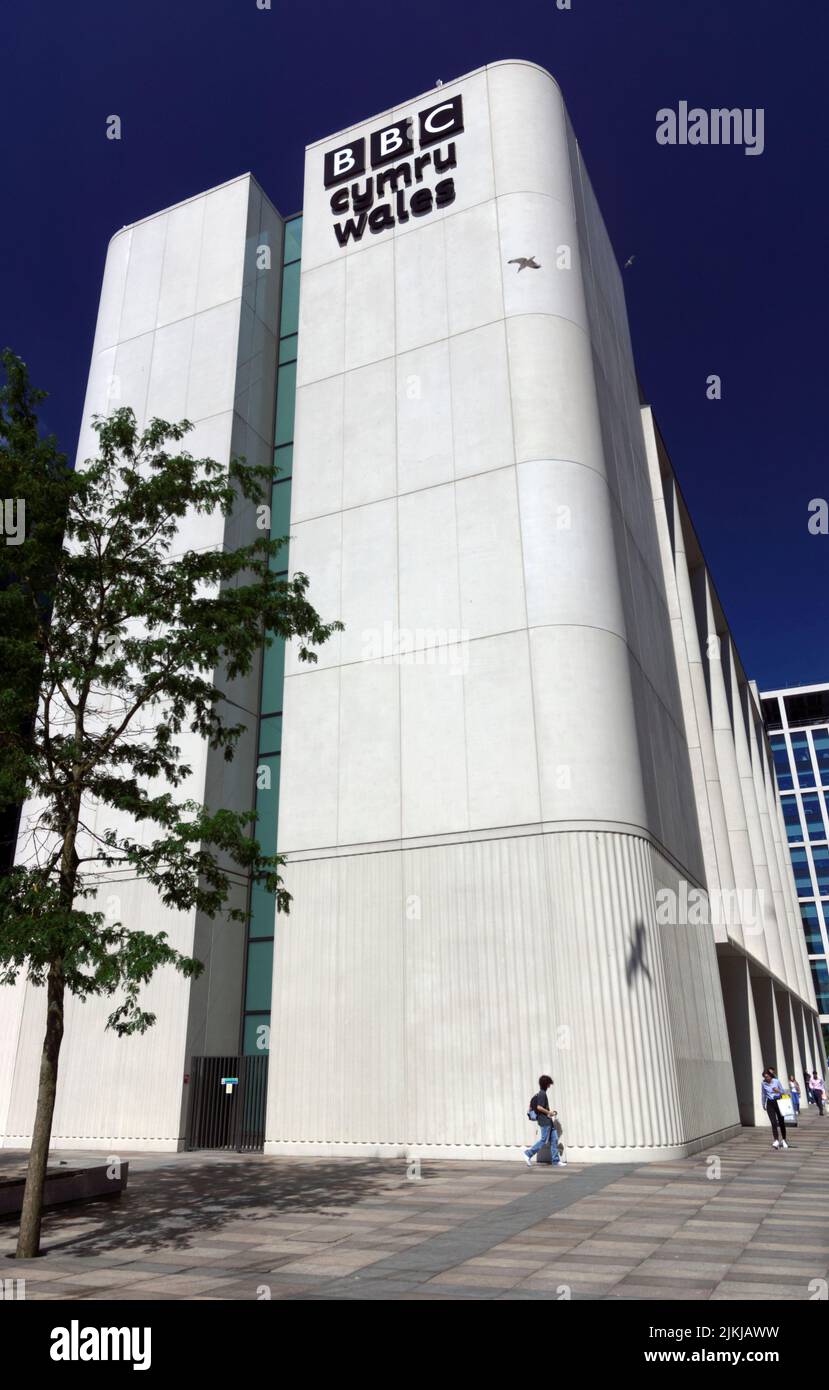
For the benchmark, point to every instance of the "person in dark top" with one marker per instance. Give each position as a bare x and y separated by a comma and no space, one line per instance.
540,1104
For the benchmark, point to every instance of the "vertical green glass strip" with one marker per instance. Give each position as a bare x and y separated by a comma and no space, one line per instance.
289,316
280,521
267,800
262,909
256,1017
255,1033
260,965
285,403
293,240
283,462
273,674
270,733
287,349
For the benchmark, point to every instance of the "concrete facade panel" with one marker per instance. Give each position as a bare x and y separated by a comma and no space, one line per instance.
178,292
482,436
170,341
424,418
309,779
369,434
553,391
473,269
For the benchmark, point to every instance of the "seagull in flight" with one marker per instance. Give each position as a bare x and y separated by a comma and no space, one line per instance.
629,261
524,262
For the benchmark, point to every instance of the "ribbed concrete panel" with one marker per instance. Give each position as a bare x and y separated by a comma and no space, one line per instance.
517,988
480,1002
427,989
337,1066
127,1089
12,1001
702,1048
610,976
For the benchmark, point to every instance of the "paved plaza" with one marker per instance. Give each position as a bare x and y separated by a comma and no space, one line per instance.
742,1222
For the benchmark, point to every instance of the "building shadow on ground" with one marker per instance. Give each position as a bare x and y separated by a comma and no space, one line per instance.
176,1206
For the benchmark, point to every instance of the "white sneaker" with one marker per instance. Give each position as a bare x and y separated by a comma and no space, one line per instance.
783,1144
528,1160
775,1145
562,1163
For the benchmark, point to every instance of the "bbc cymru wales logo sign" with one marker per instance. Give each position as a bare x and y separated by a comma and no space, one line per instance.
386,179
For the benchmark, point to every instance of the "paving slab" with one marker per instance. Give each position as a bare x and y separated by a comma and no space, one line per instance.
228,1227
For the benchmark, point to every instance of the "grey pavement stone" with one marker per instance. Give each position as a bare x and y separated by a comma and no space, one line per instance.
219,1227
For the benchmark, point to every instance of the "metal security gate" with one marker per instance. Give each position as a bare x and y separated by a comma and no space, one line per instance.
227,1103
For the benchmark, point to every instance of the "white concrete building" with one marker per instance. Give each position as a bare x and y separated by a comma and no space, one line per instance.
525,797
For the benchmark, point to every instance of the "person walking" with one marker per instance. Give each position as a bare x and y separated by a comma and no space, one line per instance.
539,1111
819,1092
794,1089
770,1093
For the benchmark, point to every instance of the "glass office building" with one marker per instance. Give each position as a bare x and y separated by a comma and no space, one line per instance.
524,797
797,720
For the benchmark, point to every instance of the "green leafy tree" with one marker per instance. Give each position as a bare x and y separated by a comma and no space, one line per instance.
112,647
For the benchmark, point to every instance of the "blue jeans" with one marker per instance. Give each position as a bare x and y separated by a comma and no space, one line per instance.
539,1144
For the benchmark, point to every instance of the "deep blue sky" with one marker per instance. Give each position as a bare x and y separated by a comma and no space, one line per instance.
731,251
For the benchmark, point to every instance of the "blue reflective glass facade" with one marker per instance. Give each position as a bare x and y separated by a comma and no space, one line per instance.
798,725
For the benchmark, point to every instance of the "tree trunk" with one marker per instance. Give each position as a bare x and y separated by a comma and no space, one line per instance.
28,1241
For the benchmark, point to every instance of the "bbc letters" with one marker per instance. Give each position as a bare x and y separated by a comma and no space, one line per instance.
385,179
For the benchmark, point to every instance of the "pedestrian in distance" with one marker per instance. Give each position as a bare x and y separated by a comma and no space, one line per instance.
794,1089
819,1092
540,1113
770,1093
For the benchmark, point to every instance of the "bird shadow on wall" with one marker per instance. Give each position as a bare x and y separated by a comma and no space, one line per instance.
636,963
